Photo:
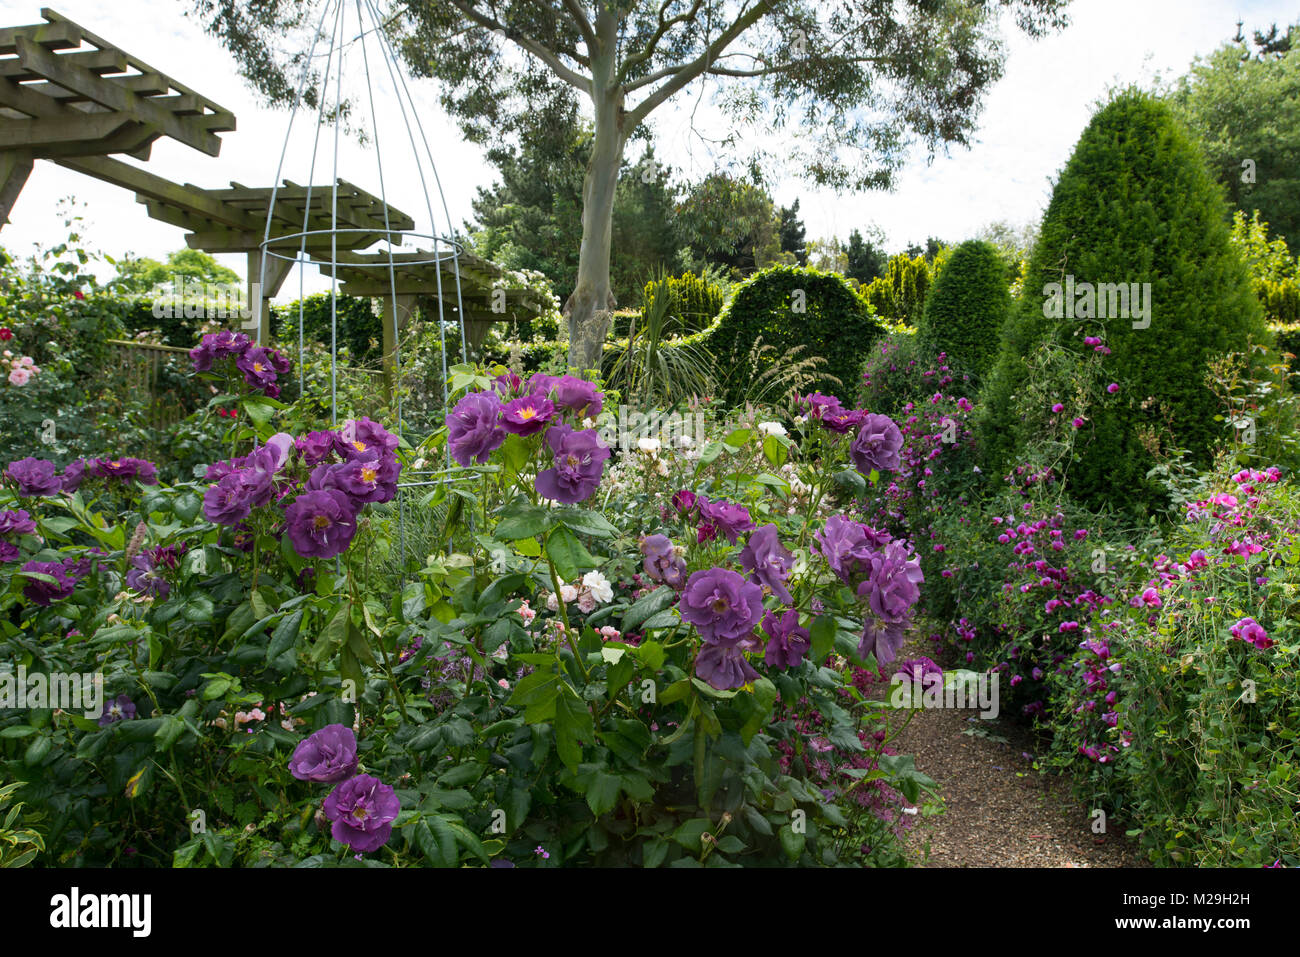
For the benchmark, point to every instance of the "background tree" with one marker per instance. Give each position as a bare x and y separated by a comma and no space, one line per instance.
792,233
731,223
1245,112
851,84
865,257
140,276
965,310
828,255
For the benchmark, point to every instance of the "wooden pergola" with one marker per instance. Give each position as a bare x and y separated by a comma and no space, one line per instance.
74,99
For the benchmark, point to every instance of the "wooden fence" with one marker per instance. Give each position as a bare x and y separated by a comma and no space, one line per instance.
140,366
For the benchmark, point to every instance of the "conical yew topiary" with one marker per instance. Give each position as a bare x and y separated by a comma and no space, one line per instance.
1134,250
967,307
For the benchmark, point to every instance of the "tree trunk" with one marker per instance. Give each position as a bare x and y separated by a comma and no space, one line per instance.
589,316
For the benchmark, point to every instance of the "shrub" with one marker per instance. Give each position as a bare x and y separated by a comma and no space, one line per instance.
1133,205
1280,300
965,310
1169,714
785,307
693,301
360,327
899,295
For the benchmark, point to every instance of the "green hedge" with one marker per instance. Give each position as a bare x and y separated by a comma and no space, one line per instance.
785,307
899,295
1134,204
965,310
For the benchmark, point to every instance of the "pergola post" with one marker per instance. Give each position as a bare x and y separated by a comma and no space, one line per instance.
15,167
394,325
262,289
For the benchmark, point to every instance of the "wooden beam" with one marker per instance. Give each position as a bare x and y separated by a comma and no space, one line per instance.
34,135
97,62
155,187
15,167
262,288
54,67
146,84
64,35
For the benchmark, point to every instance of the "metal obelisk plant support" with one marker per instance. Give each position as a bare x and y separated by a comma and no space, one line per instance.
331,238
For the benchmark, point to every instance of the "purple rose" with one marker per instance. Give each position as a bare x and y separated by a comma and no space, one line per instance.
474,428
787,643
125,469
34,477
228,502
144,578
843,421
8,552
507,385
315,447
724,667
662,563
47,593
722,606
877,445
727,517
321,524
120,708
527,415
819,405
259,365
578,395
328,756
894,583
917,670
15,523
366,481
768,561
363,809
578,460
849,546
683,500
73,475
364,438
883,639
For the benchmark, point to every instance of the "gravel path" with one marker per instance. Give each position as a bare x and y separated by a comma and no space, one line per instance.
998,811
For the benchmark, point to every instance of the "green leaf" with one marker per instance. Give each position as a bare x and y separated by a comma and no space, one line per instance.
690,832
652,654
823,637
573,725
775,451
792,843
523,521
283,638
585,522
332,636
536,693
646,606
602,793
568,554
738,438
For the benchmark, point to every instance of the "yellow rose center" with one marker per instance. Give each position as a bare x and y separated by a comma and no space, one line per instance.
368,475
320,521
257,367
527,412
359,446
572,461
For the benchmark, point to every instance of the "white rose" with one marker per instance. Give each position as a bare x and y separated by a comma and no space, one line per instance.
772,428
599,586
648,445
568,593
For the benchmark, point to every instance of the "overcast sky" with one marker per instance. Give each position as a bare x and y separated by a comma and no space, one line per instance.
1030,122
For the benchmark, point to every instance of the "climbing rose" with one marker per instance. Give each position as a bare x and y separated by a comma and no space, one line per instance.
877,445
321,523
47,593
787,642
768,561
362,809
474,428
724,667
726,517
34,477
327,756
894,584
527,415
579,459
662,563
883,639
722,606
